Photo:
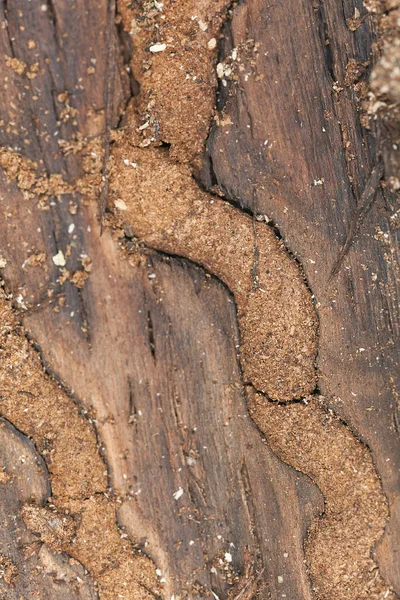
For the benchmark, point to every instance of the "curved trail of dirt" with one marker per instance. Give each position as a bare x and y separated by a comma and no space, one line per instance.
166,209
160,202
195,232
154,192
304,436
314,441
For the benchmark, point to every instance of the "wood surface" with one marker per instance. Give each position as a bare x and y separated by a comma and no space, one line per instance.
149,344
318,179
155,358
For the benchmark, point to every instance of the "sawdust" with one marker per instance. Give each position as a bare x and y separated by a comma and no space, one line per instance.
354,70
86,531
8,571
39,408
18,66
35,184
167,210
177,84
4,476
79,278
55,529
159,201
157,197
314,441
79,519
383,103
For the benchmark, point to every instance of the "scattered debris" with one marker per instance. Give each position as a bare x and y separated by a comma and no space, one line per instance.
8,571
59,259
157,48
18,66
4,476
120,204
178,494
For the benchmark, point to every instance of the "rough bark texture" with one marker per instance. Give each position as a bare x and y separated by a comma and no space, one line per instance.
195,388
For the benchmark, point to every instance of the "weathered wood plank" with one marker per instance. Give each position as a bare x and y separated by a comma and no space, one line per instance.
293,148
148,345
125,342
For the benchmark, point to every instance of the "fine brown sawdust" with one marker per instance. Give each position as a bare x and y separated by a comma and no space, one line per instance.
164,207
177,85
39,408
153,192
161,204
314,441
35,184
8,571
18,66
90,536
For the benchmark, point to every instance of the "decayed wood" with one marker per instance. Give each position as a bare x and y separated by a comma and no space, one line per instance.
148,344
28,569
293,148
155,357
190,411
171,416
342,539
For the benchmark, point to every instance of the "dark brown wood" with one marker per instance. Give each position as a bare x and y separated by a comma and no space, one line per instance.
296,151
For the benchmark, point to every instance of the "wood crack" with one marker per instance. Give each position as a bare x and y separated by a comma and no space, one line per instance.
366,200
109,105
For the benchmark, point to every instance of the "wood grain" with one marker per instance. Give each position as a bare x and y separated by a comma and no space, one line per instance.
296,151
153,359
147,344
